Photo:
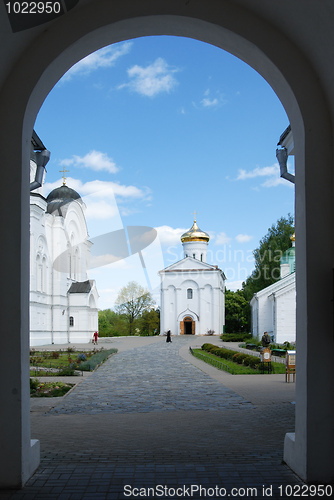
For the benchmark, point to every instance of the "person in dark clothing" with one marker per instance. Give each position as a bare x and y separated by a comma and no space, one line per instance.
265,341
168,339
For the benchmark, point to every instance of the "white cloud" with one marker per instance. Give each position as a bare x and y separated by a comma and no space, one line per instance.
100,189
169,235
276,181
209,103
272,173
104,201
100,210
103,58
222,239
95,160
151,80
243,238
212,102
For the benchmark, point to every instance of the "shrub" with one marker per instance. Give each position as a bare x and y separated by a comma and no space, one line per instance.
236,337
55,355
228,354
216,351
225,353
68,371
96,360
212,348
81,357
34,383
247,360
254,362
239,357
236,357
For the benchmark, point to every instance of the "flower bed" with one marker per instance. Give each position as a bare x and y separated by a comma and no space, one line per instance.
48,389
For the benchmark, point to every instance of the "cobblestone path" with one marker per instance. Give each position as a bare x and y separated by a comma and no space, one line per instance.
148,418
149,379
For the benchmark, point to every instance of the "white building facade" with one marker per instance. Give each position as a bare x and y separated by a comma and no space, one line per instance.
193,291
274,307
63,301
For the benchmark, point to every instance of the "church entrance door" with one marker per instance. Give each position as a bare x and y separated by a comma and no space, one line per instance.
189,326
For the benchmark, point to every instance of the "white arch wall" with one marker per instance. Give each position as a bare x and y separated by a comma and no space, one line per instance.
291,45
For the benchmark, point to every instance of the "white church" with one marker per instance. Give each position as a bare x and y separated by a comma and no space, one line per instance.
193,291
274,307
63,300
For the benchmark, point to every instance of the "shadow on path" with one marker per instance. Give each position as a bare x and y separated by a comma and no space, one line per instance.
151,417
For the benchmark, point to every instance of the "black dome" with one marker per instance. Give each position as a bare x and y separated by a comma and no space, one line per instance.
60,198
63,193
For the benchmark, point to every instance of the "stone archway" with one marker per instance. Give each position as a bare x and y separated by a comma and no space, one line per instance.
267,39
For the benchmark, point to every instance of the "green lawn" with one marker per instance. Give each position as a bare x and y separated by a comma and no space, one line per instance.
48,359
230,366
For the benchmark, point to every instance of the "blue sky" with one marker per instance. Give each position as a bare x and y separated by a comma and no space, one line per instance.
156,128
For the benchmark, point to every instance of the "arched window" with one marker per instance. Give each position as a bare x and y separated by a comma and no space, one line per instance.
201,257
189,293
71,321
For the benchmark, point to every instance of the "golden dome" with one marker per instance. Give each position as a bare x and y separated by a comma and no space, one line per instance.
195,234
293,237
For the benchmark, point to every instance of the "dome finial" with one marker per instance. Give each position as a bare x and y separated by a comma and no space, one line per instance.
64,178
194,214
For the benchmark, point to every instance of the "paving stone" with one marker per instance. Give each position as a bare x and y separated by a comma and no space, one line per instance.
150,417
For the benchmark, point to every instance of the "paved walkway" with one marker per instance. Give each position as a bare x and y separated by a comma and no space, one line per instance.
155,417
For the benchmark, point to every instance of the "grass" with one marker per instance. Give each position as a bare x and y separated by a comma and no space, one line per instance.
230,366
46,359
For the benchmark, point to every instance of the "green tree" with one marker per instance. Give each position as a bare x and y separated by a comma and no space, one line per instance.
237,312
131,302
104,323
267,256
112,324
149,321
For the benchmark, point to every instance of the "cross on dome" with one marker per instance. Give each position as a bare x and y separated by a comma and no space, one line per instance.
64,178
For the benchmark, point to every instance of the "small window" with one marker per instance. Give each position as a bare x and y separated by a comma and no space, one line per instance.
201,257
71,321
194,256
189,293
